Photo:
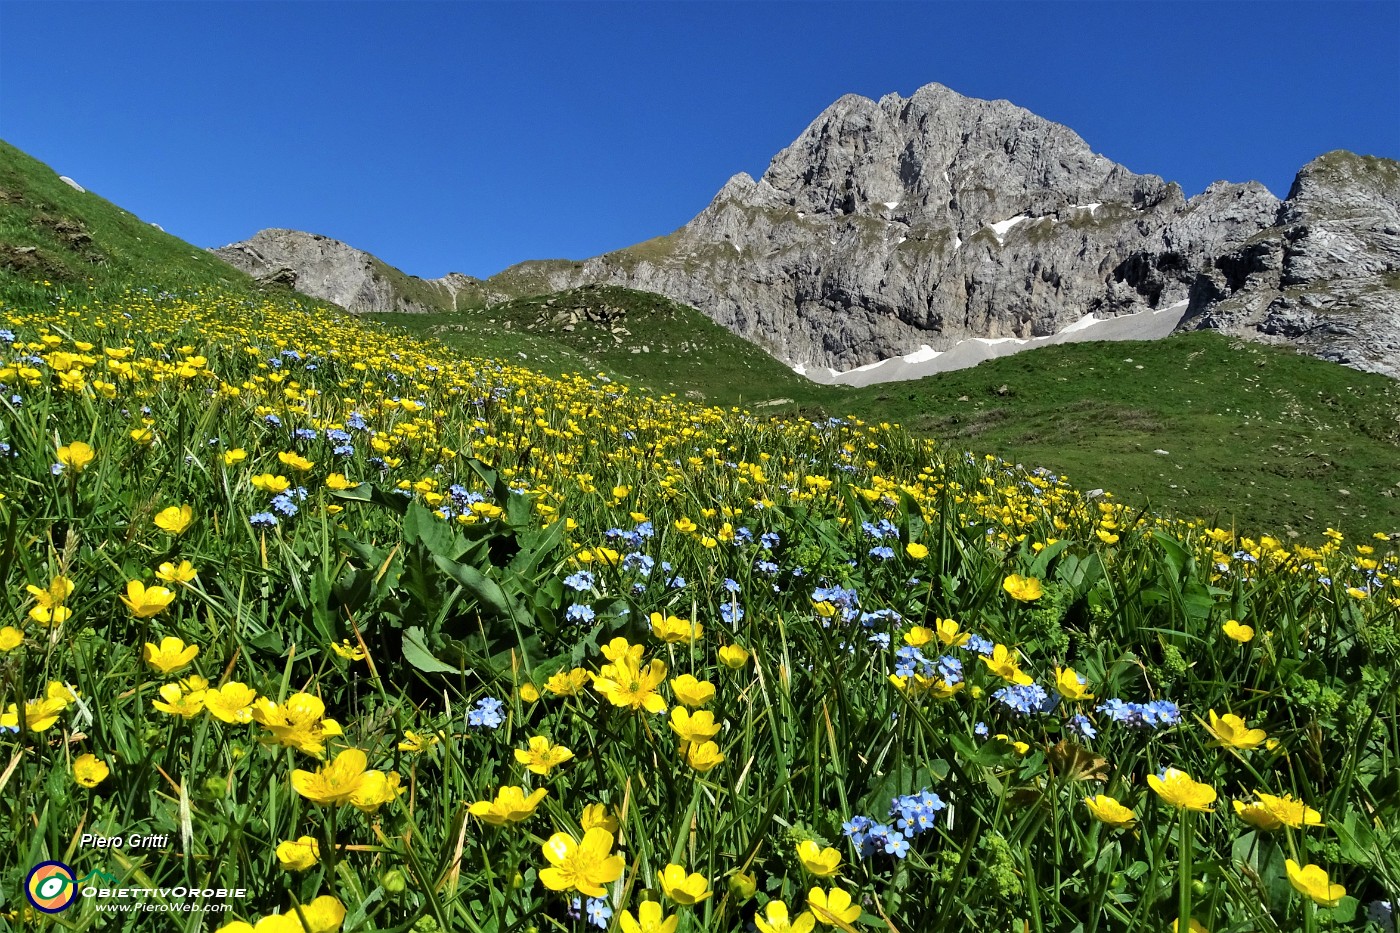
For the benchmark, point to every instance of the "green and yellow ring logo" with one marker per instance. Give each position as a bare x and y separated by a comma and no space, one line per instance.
51,887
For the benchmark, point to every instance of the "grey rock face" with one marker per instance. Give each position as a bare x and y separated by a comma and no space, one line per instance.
333,271
928,220
1326,276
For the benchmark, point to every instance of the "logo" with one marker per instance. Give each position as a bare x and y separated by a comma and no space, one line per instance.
51,887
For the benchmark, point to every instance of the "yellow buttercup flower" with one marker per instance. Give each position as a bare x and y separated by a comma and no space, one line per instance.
89,770
734,657
295,461
231,703
1178,788
1021,748
567,683
183,572
338,482
175,519
685,889
235,456
1108,810
916,550
39,715
271,484
49,608
542,757
691,692
626,683
296,723
583,866
511,805
1233,732
1290,811
348,650
673,630
821,862
175,701
298,854
76,456
917,637
693,727
1257,815
1004,664
143,437
1312,881
172,654
703,756
832,908
950,634
1025,589
775,919
1195,927
1070,685
1236,631
415,743
336,783
650,918
10,638
596,814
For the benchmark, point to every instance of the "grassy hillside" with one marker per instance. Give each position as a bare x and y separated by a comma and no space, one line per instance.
1258,435
637,336
52,233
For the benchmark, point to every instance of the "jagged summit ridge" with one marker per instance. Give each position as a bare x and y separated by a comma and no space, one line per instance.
892,224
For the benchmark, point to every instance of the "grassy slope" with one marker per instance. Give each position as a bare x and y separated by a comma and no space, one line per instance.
51,232
668,348
1279,441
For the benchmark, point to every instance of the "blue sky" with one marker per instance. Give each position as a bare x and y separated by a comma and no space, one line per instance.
466,137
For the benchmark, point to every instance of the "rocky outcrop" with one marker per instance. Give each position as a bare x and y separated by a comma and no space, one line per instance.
1325,276
357,281
899,223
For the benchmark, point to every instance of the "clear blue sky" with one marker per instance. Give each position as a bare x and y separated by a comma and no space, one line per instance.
468,137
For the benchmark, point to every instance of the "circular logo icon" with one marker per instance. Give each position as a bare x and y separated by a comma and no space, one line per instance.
51,887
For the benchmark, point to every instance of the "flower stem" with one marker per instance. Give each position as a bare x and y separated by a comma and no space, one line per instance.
1185,846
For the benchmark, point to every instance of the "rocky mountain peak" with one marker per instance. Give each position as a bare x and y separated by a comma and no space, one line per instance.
924,221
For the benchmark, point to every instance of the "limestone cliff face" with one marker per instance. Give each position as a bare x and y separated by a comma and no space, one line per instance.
900,222
333,271
1326,276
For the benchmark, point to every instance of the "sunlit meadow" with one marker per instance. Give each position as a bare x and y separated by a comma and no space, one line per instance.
400,641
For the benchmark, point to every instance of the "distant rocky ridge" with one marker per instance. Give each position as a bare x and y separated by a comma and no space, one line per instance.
923,222
333,271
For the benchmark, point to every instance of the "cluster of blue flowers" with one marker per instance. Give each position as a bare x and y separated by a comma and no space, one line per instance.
634,538
1024,698
459,501
580,582
910,814
283,504
487,713
1153,715
909,661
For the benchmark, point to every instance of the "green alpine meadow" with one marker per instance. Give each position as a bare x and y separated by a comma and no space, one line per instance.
569,610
